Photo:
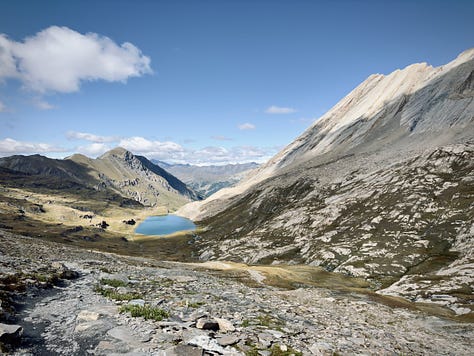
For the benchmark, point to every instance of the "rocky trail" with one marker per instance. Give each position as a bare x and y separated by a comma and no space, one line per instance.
71,301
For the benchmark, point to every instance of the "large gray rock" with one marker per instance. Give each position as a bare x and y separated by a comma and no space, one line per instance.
10,333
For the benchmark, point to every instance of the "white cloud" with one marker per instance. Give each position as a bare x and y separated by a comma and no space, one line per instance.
220,155
94,149
43,105
75,135
172,152
58,59
153,149
279,110
246,126
9,146
167,151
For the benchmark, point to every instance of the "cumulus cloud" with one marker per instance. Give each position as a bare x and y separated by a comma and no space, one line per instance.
9,146
75,135
247,126
220,155
279,110
153,149
166,151
94,149
58,59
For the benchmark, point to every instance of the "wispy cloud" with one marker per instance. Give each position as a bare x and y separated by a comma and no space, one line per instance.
247,126
75,135
279,110
58,59
43,105
9,146
221,138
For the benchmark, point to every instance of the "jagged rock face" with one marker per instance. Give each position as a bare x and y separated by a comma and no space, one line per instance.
381,187
408,110
139,179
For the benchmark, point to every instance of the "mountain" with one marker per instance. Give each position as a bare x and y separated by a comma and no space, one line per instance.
117,171
206,180
381,187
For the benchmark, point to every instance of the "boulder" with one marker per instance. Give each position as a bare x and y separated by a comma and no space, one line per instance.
10,334
224,325
207,324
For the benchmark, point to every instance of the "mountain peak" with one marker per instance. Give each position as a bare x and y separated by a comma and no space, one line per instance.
117,151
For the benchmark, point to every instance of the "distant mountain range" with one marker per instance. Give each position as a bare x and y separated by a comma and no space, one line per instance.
381,187
206,180
118,171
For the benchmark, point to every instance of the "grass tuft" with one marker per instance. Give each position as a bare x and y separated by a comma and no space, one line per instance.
146,312
112,294
113,282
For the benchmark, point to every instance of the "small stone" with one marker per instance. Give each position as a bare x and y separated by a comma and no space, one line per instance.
228,340
182,350
206,343
283,348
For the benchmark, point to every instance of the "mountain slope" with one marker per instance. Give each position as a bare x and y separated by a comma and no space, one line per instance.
137,178
382,187
408,110
117,171
206,180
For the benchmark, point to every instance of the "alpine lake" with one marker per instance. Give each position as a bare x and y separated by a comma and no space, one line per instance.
164,225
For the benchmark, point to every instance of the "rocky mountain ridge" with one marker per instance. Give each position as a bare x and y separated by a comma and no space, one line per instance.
380,187
118,171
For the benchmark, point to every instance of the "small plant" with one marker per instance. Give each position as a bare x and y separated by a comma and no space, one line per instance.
112,294
146,312
264,320
246,323
113,282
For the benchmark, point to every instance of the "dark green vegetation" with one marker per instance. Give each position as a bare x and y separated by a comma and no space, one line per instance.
146,312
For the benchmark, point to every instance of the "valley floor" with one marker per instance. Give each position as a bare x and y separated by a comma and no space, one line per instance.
202,311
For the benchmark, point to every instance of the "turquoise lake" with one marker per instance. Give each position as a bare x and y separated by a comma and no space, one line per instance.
164,225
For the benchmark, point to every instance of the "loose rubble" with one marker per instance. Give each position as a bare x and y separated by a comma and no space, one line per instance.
197,312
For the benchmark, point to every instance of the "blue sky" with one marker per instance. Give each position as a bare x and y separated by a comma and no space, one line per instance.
210,81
